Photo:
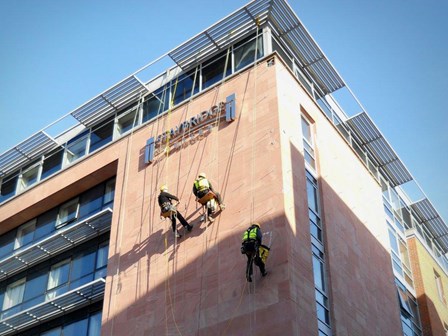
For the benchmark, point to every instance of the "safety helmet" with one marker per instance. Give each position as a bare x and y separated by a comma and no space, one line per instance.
256,224
163,187
202,175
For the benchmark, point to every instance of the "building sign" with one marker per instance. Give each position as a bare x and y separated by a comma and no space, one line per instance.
190,130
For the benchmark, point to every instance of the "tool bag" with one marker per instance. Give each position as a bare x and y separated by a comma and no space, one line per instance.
263,252
167,210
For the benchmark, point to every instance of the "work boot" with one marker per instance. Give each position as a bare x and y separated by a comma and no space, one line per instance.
211,219
264,273
189,228
202,218
249,278
177,234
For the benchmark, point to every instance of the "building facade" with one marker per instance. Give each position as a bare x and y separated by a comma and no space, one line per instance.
249,101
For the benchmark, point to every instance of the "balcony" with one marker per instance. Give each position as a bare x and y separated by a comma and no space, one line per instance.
60,305
62,240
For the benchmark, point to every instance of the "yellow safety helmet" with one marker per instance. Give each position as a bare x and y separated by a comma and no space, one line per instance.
256,224
202,175
163,187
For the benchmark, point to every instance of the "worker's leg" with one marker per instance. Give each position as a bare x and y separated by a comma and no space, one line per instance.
260,264
249,269
183,221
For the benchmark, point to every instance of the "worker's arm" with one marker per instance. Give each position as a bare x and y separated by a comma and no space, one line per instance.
171,196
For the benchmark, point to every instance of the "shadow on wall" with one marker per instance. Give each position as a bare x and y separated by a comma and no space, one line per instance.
179,292
432,324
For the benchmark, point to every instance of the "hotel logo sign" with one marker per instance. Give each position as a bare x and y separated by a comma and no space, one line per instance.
190,130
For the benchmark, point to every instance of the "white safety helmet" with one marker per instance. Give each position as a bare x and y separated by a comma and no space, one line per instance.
202,175
164,187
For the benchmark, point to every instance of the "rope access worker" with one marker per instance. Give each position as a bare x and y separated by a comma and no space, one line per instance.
252,238
202,187
167,209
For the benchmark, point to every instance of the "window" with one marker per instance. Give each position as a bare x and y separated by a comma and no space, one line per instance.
155,104
76,147
101,135
91,201
58,279
183,86
109,193
126,121
308,143
52,163
8,186
67,213
101,261
7,243
83,267
215,70
439,287
29,176
244,52
25,234
52,332
95,324
13,295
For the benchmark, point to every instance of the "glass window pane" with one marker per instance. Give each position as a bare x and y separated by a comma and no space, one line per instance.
68,212
76,147
29,177
82,265
14,294
91,201
244,52
109,192
8,187
155,104
78,328
213,70
127,121
58,279
25,234
393,241
312,197
36,285
7,242
52,163
318,270
95,325
102,135
101,257
46,224
52,332
306,131
182,87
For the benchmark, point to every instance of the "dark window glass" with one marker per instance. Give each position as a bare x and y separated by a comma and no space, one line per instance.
91,201
318,270
82,265
52,332
78,328
312,196
244,52
109,193
35,287
101,262
76,147
213,71
155,104
46,224
52,163
7,242
95,325
8,187
101,135
182,87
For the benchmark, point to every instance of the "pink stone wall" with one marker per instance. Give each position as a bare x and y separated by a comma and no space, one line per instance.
196,285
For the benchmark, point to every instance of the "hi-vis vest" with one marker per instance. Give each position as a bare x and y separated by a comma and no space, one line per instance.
201,184
250,233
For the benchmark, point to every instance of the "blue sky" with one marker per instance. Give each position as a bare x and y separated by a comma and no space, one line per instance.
56,55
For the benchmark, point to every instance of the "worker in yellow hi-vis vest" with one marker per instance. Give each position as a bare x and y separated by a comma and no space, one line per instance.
251,246
201,188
